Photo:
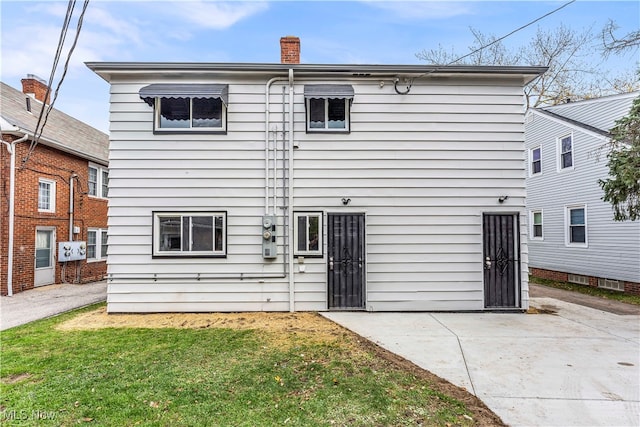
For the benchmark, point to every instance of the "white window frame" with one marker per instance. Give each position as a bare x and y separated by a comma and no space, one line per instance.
52,195
531,161
191,129
532,234
567,227
100,184
326,128
559,153
101,255
307,252
157,252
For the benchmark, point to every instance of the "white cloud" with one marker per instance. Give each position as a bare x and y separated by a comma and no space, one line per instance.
215,15
417,10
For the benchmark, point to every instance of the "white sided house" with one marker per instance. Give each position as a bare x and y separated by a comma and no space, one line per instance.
572,234
299,187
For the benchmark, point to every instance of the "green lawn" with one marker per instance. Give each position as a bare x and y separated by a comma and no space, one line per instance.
207,377
589,290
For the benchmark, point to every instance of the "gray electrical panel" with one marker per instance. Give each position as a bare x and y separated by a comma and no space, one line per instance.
269,247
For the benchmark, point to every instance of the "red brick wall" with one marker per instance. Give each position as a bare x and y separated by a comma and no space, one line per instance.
37,88
89,212
629,287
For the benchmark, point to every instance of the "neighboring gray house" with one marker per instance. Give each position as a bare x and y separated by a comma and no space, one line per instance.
572,234
277,187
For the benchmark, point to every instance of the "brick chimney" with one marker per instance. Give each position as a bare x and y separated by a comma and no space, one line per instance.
34,86
290,50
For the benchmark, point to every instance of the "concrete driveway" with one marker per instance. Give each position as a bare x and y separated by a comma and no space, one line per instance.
47,301
576,367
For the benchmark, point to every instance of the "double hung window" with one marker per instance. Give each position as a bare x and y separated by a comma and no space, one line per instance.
96,244
565,153
535,161
46,195
536,225
189,234
576,223
98,181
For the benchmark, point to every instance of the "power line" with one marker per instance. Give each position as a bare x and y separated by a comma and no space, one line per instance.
438,68
511,33
65,26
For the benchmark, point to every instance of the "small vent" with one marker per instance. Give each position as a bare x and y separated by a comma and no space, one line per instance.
28,102
580,280
615,285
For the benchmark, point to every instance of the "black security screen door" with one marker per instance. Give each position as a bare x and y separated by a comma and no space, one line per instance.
346,260
501,261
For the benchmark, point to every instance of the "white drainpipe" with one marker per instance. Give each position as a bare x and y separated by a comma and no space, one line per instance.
71,178
11,147
290,189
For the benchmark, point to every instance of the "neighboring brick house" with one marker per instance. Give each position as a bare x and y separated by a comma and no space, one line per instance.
59,193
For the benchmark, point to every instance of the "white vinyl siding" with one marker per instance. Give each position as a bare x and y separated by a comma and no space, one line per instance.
424,167
612,245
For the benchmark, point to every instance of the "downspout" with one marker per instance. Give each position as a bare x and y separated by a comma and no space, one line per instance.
290,194
11,147
71,178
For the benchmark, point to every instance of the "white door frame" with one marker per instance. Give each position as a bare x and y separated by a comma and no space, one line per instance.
45,275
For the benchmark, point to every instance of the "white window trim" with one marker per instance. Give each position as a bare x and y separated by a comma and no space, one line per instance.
52,195
326,128
99,255
567,224
188,254
531,173
559,153
532,235
100,169
308,253
157,128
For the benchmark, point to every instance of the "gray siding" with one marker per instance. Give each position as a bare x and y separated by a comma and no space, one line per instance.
613,247
423,168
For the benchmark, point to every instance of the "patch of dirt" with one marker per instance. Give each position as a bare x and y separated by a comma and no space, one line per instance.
12,379
304,325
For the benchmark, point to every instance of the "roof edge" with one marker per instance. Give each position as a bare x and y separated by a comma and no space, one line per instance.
106,69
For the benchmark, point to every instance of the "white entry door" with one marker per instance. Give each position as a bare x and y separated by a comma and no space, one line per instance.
45,269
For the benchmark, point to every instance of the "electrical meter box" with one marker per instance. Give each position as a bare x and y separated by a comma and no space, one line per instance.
72,251
269,247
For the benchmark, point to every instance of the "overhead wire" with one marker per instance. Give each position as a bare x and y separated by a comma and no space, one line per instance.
438,68
46,109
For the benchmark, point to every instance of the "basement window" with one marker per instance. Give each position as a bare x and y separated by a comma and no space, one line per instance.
188,107
615,285
328,107
189,234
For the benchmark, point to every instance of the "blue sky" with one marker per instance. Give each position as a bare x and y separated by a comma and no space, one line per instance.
364,32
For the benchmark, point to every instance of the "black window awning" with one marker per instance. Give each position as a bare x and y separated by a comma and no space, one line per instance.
328,91
162,90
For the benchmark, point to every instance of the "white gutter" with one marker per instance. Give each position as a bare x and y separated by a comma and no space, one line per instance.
11,147
290,194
